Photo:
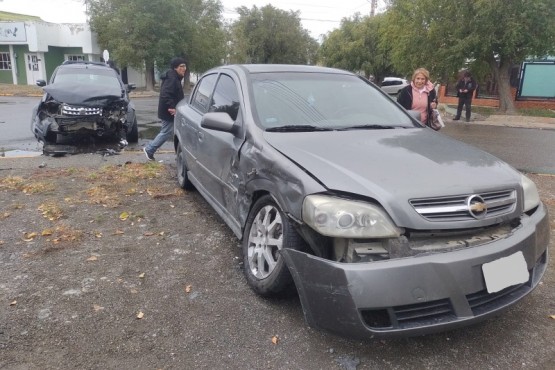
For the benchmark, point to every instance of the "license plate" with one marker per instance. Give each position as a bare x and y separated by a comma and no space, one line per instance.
505,272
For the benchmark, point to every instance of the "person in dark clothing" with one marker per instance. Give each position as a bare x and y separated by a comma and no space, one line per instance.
465,90
171,93
420,95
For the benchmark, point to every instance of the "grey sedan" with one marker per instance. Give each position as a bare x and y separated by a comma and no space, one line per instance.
385,227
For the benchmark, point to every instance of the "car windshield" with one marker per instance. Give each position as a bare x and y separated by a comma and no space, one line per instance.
96,77
323,100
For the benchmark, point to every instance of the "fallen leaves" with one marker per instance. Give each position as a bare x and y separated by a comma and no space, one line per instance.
28,237
50,211
124,216
141,276
188,288
13,303
92,259
140,315
97,308
552,316
275,339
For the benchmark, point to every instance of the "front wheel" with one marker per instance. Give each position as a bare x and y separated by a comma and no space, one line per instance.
267,232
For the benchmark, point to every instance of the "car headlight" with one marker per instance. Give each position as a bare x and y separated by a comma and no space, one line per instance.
347,219
531,196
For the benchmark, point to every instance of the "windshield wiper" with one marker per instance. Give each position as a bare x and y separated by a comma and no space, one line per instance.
297,128
367,127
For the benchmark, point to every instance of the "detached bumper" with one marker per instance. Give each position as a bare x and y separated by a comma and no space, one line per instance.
416,295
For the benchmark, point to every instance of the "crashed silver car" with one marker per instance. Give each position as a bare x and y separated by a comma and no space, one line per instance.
84,100
385,227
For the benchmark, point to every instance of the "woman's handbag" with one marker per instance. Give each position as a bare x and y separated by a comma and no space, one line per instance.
436,122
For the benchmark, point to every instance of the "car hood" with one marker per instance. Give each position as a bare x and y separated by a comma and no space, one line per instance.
394,165
84,94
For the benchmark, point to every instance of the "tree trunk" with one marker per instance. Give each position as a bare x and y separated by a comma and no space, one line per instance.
149,76
501,74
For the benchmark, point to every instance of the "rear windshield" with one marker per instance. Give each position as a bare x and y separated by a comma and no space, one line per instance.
322,100
97,77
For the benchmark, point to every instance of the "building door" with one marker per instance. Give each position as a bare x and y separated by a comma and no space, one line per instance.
33,67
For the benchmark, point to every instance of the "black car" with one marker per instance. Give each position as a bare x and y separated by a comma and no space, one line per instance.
84,100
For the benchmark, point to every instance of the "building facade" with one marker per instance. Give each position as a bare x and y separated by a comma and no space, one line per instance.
31,50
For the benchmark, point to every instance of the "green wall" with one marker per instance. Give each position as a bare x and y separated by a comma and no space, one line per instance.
55,57
20,51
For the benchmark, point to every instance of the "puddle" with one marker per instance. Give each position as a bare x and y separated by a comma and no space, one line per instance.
19,154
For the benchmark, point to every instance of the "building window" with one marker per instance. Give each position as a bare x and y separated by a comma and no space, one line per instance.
75,58
5,61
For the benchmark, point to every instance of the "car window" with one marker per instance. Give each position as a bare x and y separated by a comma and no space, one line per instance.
97,77
201,96
226,97
322,100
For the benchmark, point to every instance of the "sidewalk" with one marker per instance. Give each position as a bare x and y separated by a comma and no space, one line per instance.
542,123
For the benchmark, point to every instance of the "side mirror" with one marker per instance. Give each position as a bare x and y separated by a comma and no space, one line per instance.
131,87
218,121
41,83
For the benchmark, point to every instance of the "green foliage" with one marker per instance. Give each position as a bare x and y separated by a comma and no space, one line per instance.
143,32
270,35
445,35
356,46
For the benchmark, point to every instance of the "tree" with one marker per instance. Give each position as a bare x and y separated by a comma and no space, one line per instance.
445,35
270,35
145,33
356,47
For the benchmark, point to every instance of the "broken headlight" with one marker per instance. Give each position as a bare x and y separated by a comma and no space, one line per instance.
531,196
344,218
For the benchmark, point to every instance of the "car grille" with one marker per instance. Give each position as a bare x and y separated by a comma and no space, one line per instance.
457,208
72,110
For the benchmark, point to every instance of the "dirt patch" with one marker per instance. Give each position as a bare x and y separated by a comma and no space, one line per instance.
105,263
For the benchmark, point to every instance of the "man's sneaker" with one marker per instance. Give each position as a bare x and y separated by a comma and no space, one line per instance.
123,143
149,156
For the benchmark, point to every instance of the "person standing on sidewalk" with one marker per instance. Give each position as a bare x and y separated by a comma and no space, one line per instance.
465,90
171,93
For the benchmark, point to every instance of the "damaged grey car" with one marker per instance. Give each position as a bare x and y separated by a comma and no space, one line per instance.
385,227
84,101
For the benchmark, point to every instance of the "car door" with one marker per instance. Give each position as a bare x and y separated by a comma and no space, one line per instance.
216,152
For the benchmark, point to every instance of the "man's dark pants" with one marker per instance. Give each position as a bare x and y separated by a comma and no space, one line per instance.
467,102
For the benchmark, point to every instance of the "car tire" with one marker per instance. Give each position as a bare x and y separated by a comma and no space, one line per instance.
133,132
182,177
264,266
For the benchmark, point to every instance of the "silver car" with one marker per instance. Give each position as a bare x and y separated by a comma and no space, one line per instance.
385,227
393,85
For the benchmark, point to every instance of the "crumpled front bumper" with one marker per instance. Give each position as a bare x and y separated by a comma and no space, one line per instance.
416,295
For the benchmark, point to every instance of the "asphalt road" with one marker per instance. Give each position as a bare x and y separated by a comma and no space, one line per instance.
528,150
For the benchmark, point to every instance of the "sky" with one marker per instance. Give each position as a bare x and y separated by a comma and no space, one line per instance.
319,17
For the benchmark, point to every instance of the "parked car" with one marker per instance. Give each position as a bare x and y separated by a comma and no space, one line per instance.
393,85
386,228
84,100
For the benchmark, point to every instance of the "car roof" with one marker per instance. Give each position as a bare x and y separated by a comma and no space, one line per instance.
84,65
393,79
267,68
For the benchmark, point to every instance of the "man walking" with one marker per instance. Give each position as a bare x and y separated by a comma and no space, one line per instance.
171,93
465,90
